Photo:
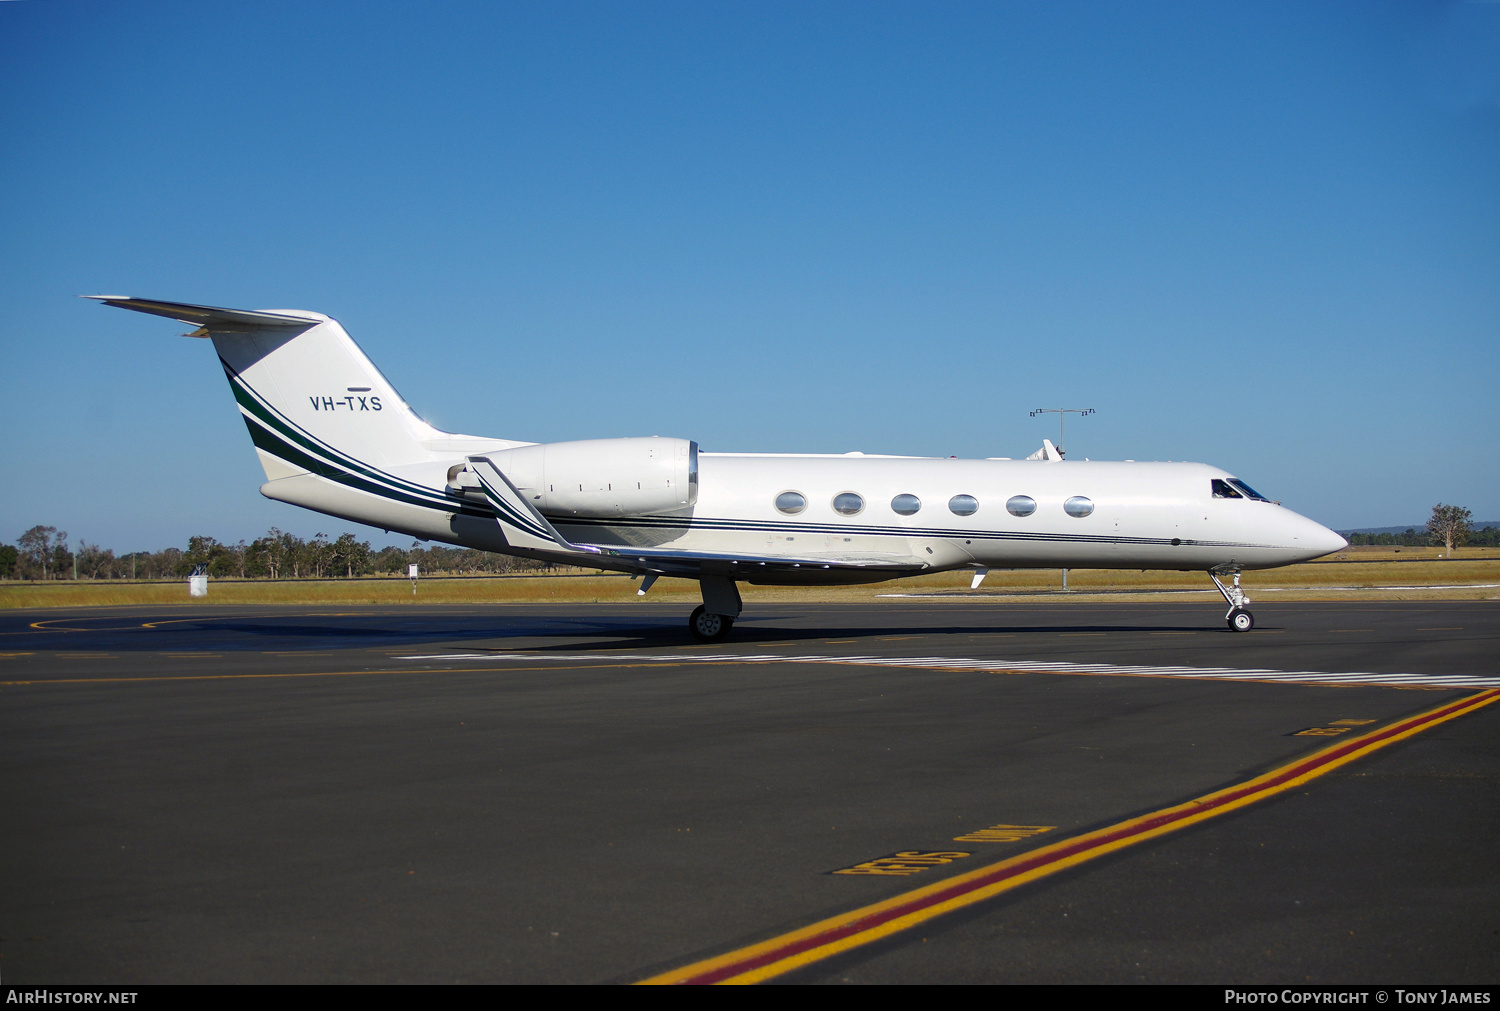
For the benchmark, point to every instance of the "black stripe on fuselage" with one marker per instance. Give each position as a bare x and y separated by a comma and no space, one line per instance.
274,432
696,523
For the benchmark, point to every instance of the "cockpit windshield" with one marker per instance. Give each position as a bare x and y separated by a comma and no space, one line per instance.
1249,491
1235,488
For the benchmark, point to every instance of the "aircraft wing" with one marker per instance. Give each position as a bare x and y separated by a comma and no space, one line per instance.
526,527
671,562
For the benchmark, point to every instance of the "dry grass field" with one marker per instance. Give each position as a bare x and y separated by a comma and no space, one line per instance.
1369,573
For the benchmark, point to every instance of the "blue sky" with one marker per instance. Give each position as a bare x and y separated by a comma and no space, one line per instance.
1264,236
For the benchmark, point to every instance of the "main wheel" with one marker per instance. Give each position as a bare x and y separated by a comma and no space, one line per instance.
1241,620
707,626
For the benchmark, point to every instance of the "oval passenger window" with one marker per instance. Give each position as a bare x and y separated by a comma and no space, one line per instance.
847,504
1020,505
1078,506
963,505
906,505
791,502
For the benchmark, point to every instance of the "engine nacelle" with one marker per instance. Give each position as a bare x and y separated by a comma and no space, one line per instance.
600,478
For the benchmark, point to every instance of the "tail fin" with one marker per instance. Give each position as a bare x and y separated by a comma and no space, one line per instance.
305,389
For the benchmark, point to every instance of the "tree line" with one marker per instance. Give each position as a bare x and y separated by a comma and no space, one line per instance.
1418,537
44,552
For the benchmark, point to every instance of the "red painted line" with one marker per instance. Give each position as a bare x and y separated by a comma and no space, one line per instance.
1104,840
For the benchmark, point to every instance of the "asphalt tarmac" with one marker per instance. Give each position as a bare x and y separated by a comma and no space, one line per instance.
578,793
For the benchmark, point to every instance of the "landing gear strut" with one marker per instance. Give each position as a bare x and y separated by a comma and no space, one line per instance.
712,620
1239,617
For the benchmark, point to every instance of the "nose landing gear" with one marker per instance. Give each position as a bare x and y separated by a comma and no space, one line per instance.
1239,617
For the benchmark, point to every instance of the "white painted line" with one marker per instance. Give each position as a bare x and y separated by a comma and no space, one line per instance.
1168,593
1012,666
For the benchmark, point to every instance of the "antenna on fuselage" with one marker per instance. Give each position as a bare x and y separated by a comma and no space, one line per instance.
1062,419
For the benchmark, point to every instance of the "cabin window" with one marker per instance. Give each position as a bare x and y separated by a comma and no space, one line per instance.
963,505
1020,505
1078,506
1251,492
791,502
906,505
1222,490
848,504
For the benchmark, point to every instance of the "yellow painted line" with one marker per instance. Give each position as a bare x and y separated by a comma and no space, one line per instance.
334,673
218,617
779,955
1004,833
12,656
46,625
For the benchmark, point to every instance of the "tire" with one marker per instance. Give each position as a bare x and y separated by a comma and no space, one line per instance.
1241,620
709,627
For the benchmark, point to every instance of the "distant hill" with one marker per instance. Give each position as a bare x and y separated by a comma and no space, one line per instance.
1419,527
1481,535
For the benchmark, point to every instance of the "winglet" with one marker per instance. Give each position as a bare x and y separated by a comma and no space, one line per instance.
1048,452
524,526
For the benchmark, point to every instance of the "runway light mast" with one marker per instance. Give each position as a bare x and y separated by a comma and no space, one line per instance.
1062,419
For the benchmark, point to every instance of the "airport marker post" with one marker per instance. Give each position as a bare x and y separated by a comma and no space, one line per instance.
411,573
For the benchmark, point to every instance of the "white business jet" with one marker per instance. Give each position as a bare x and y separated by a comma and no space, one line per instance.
334,436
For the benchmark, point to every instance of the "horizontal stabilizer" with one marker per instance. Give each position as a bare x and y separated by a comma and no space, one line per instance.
211,318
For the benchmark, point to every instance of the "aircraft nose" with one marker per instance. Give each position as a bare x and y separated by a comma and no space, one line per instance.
1318,540
1330,541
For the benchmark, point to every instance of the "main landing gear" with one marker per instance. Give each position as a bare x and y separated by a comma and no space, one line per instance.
712,620
1239,617
709,627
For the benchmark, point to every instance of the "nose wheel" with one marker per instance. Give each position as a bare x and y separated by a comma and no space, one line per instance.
1239,617
707,626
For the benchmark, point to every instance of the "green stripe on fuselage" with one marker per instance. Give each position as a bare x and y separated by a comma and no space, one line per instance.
285,441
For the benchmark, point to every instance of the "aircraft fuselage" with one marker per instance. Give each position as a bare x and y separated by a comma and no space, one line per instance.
1138,515
334,436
